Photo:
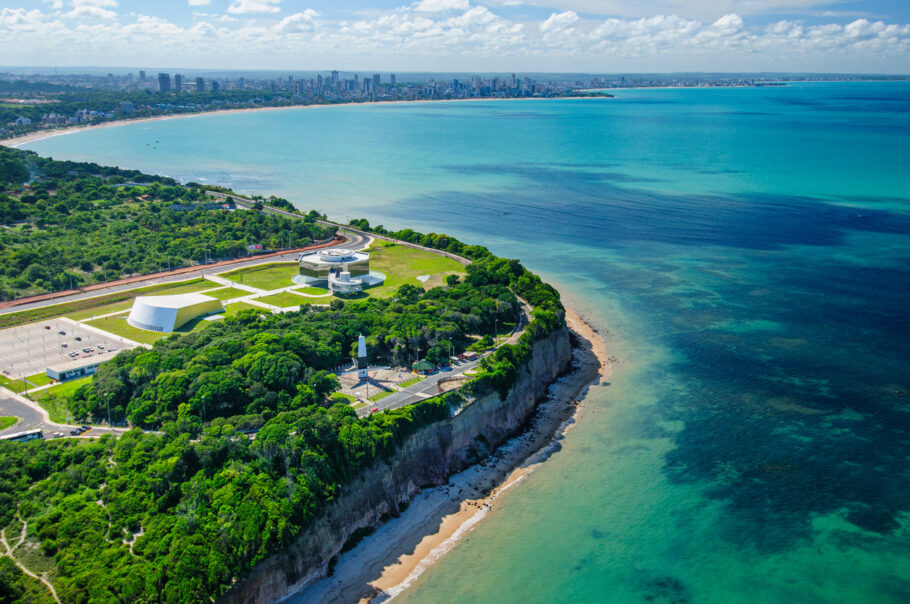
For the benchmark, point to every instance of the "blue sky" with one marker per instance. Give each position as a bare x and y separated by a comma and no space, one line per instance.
462,35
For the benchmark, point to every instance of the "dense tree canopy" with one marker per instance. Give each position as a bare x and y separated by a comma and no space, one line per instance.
78,225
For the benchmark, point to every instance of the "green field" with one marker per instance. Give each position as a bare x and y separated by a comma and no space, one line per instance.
12,384
232,309
89,307
402,265
227,293
54,399
382,395
410,382
97,311
313,291
7,422
265,276
117,325
284,300
341,397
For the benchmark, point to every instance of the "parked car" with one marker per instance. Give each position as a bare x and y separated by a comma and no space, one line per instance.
47,327
72,355
86,349
101,346
374,409
62,333
63,345
78,339
59,435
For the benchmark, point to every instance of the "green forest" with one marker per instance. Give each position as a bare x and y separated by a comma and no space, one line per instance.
77,224
248,445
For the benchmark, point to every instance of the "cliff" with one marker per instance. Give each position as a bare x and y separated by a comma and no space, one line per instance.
427,458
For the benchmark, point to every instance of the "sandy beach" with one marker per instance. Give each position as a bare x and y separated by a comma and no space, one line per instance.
36,136
389,560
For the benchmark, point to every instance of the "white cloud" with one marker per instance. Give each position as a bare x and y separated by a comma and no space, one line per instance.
439,6
298,22
475,37
242,7
199,2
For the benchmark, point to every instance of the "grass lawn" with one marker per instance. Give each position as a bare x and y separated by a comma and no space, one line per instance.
7,422
55,399
88,307
284,299
117,325
232,309
402,265
226,293
381,395
12,384
410,382
39,379
104,309
341,397
265,276
313,291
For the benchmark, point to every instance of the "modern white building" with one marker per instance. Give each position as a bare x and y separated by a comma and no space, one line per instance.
167,313
76,368
341,270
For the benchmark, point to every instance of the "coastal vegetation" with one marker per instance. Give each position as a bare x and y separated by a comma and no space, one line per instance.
251,439
76,224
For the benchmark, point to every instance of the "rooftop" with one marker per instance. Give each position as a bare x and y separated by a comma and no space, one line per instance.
79,363
175,301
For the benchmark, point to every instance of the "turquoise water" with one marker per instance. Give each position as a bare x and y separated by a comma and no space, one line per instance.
747,252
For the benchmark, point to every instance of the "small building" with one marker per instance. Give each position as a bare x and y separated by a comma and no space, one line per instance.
167,313
423,367
76,368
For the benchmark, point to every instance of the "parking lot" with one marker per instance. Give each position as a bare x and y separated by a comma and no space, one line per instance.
29,349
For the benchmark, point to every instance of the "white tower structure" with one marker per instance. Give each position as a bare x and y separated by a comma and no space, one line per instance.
362,358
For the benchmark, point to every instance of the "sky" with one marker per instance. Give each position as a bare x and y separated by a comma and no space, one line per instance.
593,36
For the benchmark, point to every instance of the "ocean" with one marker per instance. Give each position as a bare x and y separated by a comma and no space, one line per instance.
746,252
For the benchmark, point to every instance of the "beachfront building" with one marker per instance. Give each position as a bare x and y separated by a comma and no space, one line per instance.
341,271
167,313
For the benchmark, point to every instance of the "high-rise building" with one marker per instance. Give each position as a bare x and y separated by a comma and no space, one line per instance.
392,79
334,78
216,86
200,84
376,81
178,82
164,82
141,75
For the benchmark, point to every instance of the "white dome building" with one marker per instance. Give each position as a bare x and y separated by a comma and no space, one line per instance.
167,313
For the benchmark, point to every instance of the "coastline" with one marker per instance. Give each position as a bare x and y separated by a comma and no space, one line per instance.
17,141
389,560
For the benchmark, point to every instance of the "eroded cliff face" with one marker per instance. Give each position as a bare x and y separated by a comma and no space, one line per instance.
427,458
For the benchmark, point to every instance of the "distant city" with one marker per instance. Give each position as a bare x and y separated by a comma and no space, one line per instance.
38,101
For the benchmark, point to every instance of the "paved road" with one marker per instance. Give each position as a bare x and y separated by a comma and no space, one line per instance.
33,419
417,392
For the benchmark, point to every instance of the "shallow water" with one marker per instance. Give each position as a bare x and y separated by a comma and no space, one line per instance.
747,251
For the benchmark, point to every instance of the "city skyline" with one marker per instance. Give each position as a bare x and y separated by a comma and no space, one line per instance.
597,36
